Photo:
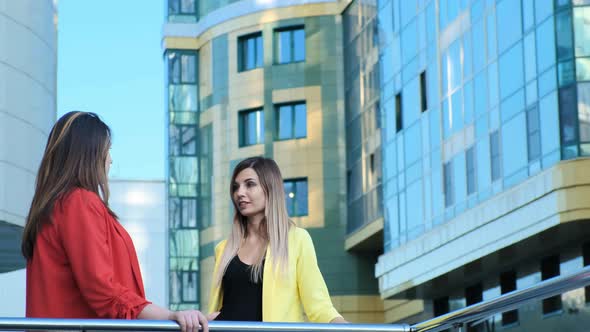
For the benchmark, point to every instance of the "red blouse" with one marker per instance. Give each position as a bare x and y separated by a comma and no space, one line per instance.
84,264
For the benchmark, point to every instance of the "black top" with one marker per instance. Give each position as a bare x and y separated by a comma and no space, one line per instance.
242,298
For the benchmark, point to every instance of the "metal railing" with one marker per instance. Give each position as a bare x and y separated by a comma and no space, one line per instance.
473,315
13,324
479,312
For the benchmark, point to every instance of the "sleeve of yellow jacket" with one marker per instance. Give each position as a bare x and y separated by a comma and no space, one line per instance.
312,287
216,292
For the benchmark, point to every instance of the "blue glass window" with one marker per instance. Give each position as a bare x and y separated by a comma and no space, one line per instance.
514,145
533,133
530,65
449,190
182,11
479,47
511,73
290,44
250,53
509,24
495,155
548,116
291,121
182,68
251,127
470,158
296,197
582,31
545,45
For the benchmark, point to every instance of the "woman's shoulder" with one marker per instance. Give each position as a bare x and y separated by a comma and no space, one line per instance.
219,247
299,234
80,196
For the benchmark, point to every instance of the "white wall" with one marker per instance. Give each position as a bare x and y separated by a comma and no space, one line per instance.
28,64
141,207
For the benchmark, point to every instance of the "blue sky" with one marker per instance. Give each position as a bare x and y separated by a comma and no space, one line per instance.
110,63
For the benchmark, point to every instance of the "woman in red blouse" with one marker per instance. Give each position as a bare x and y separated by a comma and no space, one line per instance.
81,263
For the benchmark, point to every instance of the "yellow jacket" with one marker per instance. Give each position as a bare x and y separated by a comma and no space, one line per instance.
286,299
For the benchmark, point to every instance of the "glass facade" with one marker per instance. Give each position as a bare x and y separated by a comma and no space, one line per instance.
183,178
183,11
492,94
363,117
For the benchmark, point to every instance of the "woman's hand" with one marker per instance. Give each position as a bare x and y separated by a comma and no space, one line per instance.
339,320
212,316
190,320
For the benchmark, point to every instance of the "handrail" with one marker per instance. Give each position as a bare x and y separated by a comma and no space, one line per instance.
506,302
161,325
470,314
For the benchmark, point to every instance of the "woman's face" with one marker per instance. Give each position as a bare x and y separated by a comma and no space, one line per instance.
248,194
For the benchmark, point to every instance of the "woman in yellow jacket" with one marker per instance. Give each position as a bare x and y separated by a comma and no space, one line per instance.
267,269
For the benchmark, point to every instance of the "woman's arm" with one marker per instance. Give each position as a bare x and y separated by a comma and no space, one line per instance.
312,287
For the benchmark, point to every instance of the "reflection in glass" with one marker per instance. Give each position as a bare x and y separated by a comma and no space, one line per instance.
533,133
545,45
511,74
495,155
514,145
250,53
584,111
582,31
549,120
296,197
251,127
568,115
290,45
509,24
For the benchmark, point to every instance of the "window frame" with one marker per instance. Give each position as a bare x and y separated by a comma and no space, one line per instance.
242,43
294,181
277,41
242,126
294,122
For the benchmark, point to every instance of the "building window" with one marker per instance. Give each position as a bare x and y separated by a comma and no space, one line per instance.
440,306
507,285
296,197
183,140
251,127
550,269
290,44
448,183
399,125
423,95
183,212
586,254
250,51
473,295
182,11
533,133
182,68
291,121
470,166
496,158
372,163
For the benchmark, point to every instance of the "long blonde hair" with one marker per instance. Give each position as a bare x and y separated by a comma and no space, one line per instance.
275,225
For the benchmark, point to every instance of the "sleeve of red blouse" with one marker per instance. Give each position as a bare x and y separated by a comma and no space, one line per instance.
85,238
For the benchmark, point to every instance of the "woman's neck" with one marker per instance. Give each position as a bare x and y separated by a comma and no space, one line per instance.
254,225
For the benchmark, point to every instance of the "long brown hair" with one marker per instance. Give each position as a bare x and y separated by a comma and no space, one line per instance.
275,224
74,157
